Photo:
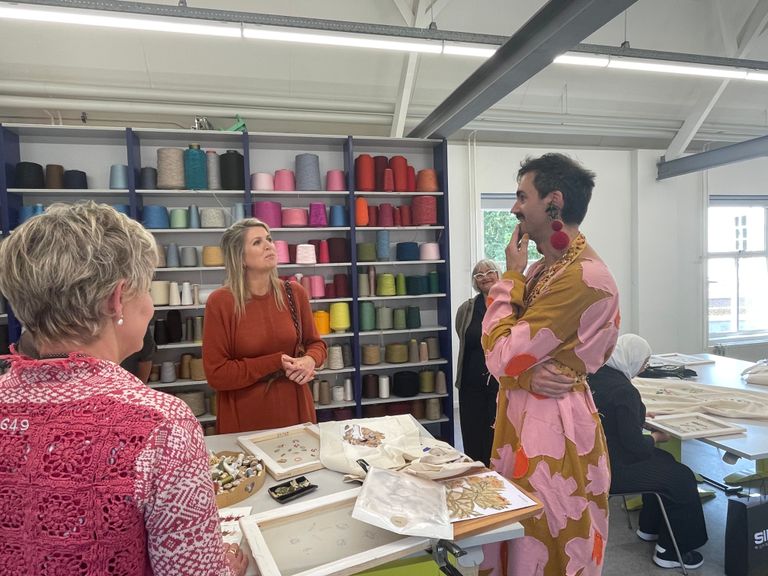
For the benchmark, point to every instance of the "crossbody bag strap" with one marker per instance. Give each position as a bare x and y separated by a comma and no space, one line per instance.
294,317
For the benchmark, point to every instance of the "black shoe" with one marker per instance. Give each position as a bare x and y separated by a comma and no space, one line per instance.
668,558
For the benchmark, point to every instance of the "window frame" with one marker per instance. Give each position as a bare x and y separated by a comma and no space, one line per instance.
721,201
496,201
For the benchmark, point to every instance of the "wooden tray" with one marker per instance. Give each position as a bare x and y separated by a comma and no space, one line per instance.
693,425
286,452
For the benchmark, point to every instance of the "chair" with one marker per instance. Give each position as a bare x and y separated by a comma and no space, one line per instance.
664,515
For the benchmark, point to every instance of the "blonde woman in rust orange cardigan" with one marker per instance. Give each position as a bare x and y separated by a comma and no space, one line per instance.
251,350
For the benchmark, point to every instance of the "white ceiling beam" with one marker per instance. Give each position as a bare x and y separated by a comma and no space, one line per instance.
418,19
730,41
736,47
436,7
405,92
405,11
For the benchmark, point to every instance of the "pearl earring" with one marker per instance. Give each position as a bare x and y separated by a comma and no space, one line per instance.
120,321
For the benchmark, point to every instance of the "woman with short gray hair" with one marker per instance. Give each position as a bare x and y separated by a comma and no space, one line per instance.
112,475
477,387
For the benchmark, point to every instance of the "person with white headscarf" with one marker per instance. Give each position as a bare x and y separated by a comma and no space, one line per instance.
637,465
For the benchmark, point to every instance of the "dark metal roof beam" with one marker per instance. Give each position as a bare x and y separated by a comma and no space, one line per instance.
748,150
556,28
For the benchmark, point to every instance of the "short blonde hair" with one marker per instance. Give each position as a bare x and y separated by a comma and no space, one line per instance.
233,246
59,268
489,265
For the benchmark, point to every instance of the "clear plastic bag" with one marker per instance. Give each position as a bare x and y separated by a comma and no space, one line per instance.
404,504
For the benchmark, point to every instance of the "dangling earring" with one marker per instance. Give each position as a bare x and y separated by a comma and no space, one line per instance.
120,321
559,239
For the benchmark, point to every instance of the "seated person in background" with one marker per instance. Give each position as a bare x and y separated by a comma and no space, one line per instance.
637,465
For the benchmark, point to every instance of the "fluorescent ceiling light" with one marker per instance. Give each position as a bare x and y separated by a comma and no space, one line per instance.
659,66
461,50
684,69
598,61
354,41
236,30
153,24
759,76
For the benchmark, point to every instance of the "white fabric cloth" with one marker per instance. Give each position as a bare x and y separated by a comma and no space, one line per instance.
662,396
385,442
630,355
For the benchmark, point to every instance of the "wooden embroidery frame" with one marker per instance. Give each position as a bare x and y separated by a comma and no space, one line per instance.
259,444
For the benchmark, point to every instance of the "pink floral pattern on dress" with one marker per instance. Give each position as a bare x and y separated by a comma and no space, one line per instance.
556,493
599,476
597,335
521,342
587,554
505,463
595,275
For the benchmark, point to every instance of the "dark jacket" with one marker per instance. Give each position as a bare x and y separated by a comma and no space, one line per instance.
623,414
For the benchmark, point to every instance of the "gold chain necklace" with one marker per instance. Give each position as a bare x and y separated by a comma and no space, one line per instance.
542,280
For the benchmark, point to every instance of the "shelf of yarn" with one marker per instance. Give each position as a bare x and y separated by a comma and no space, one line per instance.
186,230
427,421
398,228
391,366
327,371
316,265
328,300
405,297
332,405
312,229
180,307
78,193
177,384
175,345
403,331
190,269
297,193
393,398
337,335
400,262
198,193
396,194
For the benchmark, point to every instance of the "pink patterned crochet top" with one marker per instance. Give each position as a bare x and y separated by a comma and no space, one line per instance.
100,475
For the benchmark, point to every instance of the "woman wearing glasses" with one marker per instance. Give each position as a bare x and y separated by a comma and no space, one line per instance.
477,387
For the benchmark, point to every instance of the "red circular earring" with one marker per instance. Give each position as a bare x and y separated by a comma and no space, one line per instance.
559,239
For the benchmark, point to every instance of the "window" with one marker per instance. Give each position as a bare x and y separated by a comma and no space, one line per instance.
498,223
737,268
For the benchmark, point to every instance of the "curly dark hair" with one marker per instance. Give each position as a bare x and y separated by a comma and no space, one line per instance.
555,171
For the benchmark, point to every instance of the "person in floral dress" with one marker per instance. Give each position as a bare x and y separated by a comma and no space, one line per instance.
543,333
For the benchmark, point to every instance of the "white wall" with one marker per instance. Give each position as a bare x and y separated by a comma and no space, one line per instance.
650,234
